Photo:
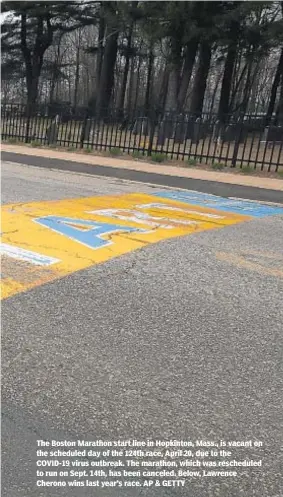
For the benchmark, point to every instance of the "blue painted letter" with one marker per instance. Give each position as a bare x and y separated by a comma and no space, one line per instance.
91,237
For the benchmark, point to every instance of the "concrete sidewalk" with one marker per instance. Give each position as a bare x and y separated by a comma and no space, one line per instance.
167,170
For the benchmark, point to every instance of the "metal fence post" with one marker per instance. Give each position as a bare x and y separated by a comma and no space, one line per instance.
29,114
82,139
237,142
151,134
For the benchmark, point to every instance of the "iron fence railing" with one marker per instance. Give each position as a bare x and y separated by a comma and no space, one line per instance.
235,141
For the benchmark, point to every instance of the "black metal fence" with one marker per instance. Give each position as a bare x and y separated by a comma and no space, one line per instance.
237,141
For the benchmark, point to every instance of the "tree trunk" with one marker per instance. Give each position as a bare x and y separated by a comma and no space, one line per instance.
279,110
175,66
69,86
163,90
52,86
254,90
137,104
274,88
190,57
130,88
126,70
77,75
56,64
107,72
224,106
33,70
100,48
32,92
238,89
201,79
249,82
214,94
148,81
172,89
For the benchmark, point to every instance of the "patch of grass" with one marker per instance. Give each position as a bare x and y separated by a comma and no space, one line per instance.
217,166
191,162
158,157
247,170
71,149
280,173
12,140
115,151
36,143
137,154
88,150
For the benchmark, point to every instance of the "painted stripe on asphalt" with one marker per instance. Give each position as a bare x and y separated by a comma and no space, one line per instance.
254,209
271,204
26,255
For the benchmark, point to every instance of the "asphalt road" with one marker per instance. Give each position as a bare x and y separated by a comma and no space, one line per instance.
212,187
181,339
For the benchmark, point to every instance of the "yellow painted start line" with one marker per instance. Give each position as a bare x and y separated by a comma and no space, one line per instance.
43,241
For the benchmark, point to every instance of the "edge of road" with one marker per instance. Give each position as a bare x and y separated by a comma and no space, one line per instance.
223,184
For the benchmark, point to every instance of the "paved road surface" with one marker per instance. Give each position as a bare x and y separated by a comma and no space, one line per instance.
214,187
181,339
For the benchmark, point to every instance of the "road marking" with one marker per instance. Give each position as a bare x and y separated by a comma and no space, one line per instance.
254,209
26,255
142,217
187,211
272,204
74,234
88,233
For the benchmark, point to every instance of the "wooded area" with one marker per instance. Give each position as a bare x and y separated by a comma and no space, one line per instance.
215,57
